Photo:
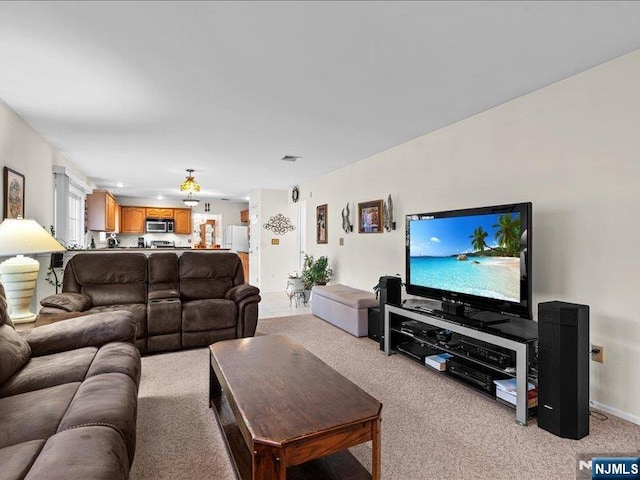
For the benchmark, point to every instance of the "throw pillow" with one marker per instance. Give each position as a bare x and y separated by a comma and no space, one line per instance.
14,352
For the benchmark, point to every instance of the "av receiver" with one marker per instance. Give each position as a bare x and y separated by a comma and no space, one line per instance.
491,354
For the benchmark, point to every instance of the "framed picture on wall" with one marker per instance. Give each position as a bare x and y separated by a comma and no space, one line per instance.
321,224
13,205
370,217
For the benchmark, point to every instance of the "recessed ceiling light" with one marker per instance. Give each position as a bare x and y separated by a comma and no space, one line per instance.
160,197
290,158
119,184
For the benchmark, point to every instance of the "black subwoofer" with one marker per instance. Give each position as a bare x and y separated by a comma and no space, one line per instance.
390,292
563,369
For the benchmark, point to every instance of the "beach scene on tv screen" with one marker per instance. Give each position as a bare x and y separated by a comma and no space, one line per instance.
476,255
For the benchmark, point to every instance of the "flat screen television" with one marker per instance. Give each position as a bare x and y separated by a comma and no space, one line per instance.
477,257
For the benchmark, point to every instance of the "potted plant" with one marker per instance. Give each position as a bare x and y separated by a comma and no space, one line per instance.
315,273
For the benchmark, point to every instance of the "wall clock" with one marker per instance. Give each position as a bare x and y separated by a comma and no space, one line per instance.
295,194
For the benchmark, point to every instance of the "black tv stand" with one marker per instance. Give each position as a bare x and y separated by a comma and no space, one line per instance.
515,334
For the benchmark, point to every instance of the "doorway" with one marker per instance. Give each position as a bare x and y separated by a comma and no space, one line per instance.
302,233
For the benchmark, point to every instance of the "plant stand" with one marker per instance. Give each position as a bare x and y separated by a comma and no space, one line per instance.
295,291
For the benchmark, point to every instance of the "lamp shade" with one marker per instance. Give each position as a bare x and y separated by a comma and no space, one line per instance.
25,236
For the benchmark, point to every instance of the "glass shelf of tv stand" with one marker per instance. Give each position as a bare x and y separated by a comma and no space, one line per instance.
518,336
446,348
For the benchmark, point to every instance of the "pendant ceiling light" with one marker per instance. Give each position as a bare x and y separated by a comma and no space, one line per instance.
191,188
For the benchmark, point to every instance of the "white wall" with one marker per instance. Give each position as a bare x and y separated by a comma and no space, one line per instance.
573,149
275,261
24,150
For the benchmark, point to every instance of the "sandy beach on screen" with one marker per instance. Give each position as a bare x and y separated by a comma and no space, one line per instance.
512,263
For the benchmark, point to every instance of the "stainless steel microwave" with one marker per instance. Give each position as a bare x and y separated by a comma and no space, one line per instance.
158,226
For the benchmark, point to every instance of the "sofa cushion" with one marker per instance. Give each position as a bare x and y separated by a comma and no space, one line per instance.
16,460
50,370
117,358
138,310
107,278
109,399
91,269
37,413
209,275
208,315
163,271
91,452
69,302
14,352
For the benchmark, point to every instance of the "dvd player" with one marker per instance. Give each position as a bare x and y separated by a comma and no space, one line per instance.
418,328
471,373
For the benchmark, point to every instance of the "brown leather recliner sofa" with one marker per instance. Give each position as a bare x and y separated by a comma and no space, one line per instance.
68,398
190,300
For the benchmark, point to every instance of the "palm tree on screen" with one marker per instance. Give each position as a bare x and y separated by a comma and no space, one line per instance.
508,233
477,239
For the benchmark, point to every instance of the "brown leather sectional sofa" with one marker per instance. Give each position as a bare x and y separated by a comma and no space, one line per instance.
68,398
191,300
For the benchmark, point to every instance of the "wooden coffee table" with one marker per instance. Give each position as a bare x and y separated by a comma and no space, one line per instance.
285,414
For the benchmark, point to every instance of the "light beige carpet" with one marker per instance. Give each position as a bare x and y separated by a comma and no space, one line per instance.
432,427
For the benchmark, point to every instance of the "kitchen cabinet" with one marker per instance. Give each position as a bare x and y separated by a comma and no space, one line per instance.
244,216
244,259
132,219
101,211
164,213
182,221
117,222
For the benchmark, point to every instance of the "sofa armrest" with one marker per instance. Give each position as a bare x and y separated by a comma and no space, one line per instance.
92,330
69,302
248,316
240,292
163,294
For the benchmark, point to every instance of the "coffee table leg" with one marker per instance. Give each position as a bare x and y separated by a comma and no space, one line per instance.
267,464
214,385
375,447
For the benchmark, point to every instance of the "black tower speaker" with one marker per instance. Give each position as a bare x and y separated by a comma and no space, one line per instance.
563,369
374,332
390,292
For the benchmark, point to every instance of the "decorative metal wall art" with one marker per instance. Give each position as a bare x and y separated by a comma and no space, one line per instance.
389,224
346,221
279,224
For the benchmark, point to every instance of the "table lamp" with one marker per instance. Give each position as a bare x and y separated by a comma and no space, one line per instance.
22,236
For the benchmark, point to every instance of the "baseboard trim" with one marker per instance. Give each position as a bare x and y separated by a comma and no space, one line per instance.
616,412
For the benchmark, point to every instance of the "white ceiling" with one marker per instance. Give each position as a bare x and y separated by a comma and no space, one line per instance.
136,92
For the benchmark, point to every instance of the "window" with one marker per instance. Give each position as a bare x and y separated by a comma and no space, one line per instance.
75,219
69,202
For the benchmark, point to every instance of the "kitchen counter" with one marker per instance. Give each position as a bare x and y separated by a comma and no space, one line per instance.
146,250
